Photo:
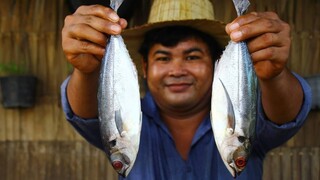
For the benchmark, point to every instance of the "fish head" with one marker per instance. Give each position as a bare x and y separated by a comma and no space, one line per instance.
237,158
122,154
120,162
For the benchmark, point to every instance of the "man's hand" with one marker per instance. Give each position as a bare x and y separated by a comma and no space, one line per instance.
85,34
268,40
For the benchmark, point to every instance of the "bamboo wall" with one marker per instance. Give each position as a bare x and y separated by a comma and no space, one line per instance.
30,36
37,143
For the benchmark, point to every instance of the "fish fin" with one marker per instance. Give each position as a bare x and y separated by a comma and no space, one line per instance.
141,116
118,120
231,114
216,65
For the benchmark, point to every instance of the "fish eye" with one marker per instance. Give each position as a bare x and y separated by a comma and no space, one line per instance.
242,139
112,143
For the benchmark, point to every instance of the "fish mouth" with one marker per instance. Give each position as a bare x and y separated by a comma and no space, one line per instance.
237,166
238,161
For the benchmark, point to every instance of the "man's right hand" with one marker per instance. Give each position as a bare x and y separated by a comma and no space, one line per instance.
85,34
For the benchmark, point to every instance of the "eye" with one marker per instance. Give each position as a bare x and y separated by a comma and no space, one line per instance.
163,58
192,57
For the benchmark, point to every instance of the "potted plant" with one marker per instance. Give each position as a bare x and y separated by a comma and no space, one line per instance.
17,87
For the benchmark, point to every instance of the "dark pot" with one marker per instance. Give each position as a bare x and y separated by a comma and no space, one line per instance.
18,91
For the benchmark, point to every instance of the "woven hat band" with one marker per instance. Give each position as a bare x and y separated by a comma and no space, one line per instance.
176,10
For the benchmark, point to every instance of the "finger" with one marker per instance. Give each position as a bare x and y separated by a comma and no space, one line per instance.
85,32
95,22
73,47
254,29
276,55
267,40
252,25
240,21
249,18
123,23
99,11
268,15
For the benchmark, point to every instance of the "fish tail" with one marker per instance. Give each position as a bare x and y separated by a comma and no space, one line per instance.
241,6
115,4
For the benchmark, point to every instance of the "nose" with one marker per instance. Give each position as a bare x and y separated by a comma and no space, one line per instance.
177,68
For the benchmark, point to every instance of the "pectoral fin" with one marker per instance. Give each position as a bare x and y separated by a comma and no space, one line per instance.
231,114
119,122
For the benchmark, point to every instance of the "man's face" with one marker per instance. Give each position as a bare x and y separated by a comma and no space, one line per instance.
180,77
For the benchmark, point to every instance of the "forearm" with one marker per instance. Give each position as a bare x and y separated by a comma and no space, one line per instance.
282,97
82,94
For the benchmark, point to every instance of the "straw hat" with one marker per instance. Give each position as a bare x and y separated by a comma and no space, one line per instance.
198,14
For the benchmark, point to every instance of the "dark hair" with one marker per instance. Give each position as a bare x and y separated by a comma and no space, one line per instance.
171,35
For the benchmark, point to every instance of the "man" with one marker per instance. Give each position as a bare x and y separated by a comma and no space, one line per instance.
176,137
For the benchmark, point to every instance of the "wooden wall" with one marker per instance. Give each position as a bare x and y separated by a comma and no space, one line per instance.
37,143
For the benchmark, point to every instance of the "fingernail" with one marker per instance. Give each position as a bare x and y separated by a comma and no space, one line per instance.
233,26
236,35
114,17
254,13
115,28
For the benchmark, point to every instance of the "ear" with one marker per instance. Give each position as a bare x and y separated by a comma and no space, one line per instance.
144,68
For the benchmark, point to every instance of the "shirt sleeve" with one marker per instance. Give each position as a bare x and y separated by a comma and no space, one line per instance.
270,135
87,128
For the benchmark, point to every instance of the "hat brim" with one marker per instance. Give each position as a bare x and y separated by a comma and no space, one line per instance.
133,37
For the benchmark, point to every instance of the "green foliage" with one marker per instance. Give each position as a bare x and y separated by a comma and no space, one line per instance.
11,69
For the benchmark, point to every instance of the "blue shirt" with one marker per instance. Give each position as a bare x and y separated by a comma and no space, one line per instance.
158,159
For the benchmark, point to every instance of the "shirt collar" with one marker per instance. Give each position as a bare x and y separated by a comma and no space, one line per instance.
150,109
148,106
203,129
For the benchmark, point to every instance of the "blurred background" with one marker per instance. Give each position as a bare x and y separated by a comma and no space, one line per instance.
37,143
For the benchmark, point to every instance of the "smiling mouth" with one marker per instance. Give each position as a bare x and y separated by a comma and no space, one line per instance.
178,87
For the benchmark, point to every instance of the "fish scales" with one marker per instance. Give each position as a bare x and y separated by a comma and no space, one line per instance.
234,103
119,104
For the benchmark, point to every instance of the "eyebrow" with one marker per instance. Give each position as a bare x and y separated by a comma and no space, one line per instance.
184,52
161,52
192,50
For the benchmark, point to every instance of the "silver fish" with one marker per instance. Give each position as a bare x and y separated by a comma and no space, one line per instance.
119,104
234,103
